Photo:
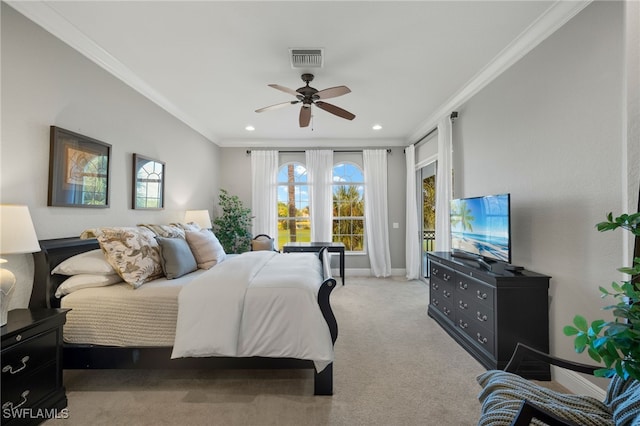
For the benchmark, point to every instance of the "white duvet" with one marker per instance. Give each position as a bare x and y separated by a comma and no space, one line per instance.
260,303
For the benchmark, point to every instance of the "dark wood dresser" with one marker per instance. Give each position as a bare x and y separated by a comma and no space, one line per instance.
488,313
32,388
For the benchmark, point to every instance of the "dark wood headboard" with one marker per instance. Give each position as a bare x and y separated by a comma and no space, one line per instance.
53,252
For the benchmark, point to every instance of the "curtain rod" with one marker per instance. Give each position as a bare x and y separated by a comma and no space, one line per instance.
350,151
452,117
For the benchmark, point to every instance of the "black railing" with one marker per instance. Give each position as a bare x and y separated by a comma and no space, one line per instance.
428,240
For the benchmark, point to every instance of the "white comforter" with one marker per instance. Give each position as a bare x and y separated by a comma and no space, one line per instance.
260,303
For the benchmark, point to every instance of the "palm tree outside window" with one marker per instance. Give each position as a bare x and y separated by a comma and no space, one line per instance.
294,224
348,206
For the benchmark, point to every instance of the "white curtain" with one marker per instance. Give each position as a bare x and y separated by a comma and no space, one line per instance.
264,186
412,239
320,179
443,186
376,211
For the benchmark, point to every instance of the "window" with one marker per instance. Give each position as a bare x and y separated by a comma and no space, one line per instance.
348,206
293,204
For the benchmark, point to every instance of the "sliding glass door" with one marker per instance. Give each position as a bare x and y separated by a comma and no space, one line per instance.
427,188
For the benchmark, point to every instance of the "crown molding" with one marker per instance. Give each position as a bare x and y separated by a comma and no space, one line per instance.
558,14
48,18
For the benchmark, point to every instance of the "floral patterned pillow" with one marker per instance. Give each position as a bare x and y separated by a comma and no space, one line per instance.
133,253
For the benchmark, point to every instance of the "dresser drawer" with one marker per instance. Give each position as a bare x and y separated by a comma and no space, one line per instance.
442,304
31,389
482,337
475,290
475,309
442,272
20,360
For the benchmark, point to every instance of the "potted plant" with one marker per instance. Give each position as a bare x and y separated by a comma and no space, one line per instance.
232,227
615,343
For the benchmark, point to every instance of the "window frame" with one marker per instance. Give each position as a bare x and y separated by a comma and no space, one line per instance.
296,184
358,185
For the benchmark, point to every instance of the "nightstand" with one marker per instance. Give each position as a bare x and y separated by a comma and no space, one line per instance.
31,358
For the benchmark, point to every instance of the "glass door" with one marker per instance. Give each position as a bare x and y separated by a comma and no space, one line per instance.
427,187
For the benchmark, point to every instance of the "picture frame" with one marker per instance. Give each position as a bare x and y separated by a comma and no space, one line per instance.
148,183
78,170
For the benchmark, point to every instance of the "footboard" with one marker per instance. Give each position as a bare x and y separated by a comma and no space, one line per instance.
323,381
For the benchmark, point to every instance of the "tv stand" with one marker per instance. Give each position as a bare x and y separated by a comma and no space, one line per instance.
488,311
464,255
492,265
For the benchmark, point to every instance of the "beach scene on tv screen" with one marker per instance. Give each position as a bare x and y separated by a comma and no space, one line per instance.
481,226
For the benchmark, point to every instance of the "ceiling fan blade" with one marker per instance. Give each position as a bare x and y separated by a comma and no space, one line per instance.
333,92
335,110
285,89
276,106
305,115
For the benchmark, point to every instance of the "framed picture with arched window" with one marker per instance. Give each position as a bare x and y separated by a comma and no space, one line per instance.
148,183
78,170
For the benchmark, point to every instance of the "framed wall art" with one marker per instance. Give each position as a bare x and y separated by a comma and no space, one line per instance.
148,183
78,170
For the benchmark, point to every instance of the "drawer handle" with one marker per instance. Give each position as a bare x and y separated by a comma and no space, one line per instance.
482,340
446,277
435,286
9,405
8,368
463,324
446,293
481,295
462,285
435,271
446,311
434,302
462,305
481,317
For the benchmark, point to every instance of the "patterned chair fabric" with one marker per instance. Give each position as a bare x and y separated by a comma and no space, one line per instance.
503,393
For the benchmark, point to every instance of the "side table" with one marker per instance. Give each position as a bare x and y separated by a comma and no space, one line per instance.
31,358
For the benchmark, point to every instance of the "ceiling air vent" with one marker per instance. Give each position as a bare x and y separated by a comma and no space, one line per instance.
306,58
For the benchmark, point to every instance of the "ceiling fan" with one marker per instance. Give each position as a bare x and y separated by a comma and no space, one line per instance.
308,96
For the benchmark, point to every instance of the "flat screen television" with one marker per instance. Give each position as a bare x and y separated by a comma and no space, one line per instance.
481,226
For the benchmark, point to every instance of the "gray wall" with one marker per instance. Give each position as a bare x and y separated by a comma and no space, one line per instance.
44,83
549,131
236,178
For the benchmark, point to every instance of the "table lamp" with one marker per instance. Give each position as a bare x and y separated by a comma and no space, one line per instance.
17,235
200,217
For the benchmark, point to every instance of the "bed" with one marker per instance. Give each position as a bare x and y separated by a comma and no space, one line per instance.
158,354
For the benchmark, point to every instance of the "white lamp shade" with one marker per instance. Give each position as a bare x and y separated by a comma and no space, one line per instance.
201,217
17,234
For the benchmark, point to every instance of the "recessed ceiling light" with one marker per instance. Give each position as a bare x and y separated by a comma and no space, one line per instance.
249,128
377,127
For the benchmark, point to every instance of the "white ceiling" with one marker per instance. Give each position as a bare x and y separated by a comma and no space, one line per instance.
209,62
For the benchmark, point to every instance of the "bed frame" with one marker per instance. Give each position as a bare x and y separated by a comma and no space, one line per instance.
80,356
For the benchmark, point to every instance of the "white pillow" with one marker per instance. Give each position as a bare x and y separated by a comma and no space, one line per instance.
205,247
79,281
90,262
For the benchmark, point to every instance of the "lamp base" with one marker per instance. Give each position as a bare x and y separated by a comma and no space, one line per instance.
7,286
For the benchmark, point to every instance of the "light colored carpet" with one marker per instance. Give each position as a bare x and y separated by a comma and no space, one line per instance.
394,366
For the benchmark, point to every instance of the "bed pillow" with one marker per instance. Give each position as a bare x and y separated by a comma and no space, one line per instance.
177,258
80,281
205,247
90,262
166,231
133,253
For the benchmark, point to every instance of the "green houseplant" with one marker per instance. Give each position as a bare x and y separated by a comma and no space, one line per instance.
232,227
615,343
